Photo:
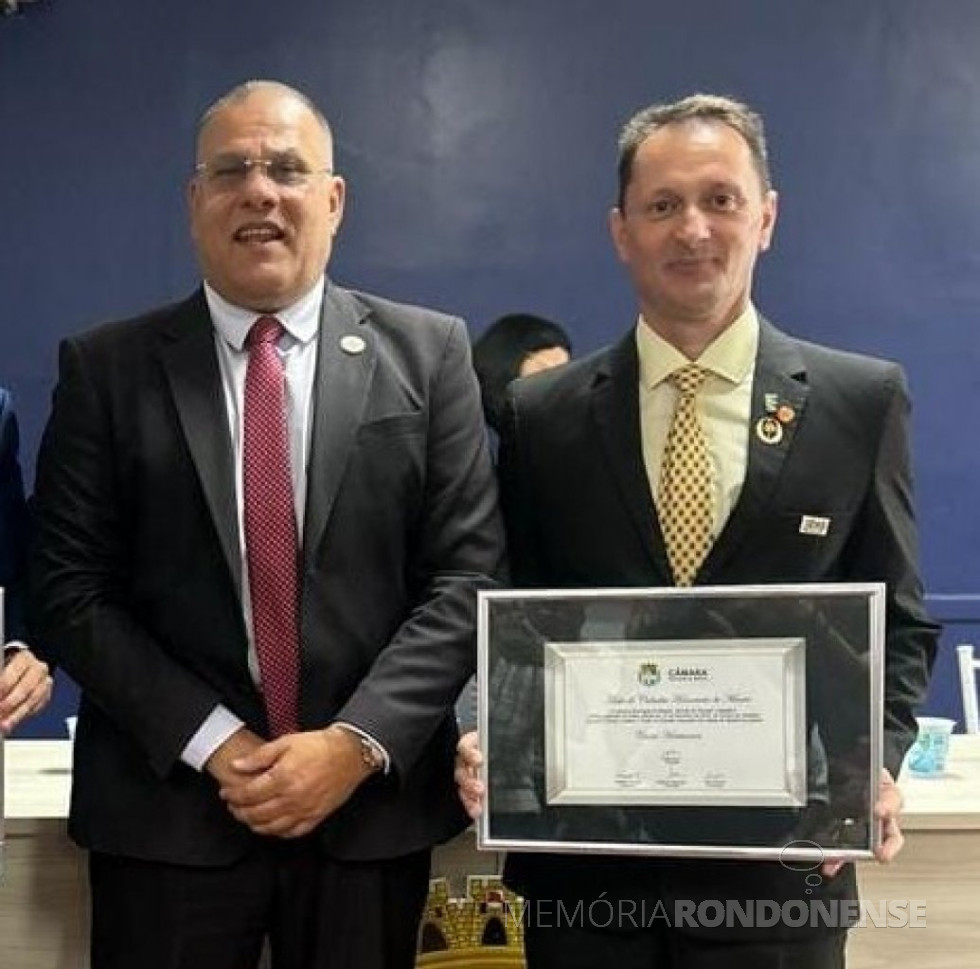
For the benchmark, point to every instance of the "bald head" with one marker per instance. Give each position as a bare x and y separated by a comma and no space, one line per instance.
242,92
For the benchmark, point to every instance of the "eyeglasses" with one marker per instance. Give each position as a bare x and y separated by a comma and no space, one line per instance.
228,172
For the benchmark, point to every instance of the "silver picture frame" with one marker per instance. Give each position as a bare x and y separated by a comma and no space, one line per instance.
724,721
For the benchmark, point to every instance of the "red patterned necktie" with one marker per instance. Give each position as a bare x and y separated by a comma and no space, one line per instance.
271,543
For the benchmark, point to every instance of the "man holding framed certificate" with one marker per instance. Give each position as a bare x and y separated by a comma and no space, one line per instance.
706,448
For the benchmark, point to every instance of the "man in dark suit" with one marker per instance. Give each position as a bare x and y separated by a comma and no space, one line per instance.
25,683
807,479
269,609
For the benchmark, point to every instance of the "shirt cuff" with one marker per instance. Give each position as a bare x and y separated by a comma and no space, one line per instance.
364,735
9,649
219,726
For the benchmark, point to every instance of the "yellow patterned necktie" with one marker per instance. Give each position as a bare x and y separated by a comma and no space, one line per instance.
685,494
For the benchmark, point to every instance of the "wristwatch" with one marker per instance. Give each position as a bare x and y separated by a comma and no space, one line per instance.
371,755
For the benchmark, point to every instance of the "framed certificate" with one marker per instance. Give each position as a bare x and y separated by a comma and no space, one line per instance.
739,721
671,722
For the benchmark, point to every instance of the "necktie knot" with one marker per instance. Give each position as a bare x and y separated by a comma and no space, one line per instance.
688,379
266,329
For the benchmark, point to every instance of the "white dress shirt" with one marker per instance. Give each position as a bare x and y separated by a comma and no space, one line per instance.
297,349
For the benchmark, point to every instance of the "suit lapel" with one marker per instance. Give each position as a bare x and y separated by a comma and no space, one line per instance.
616,413
346,358
190,363
779,381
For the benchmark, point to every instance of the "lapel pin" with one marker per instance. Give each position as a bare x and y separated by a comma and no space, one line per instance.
785,414
771,403
352,344
769,430
814,525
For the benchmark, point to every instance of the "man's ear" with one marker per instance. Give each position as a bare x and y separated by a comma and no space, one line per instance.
770,209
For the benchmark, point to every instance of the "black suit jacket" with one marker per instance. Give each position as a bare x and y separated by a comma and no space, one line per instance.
137,584
579,513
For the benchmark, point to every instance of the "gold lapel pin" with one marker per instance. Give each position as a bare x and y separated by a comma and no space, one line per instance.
785,414
769,430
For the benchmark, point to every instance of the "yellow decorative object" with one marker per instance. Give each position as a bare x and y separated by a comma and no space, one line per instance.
483,930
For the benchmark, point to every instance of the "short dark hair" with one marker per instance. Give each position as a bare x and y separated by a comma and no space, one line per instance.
501,349
711,108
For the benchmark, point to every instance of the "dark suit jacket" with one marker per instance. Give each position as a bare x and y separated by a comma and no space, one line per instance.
579,513
137,570
13,523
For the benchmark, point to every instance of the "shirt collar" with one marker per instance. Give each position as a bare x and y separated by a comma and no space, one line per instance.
301,320
730,355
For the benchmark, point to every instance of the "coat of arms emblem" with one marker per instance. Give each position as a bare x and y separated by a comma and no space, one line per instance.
648,674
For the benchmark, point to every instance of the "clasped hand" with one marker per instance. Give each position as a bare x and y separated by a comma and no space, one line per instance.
25,688
285,787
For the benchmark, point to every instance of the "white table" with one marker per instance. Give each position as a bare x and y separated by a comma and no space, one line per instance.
38,779
43,917
939,865
43,890
950,802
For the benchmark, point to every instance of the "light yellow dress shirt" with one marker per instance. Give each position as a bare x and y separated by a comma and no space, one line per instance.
724,405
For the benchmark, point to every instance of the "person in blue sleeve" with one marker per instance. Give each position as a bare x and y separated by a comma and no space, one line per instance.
25,683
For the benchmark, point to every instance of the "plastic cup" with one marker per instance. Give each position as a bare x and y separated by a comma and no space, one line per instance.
931,747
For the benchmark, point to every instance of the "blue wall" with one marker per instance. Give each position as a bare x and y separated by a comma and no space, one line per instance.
478,143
